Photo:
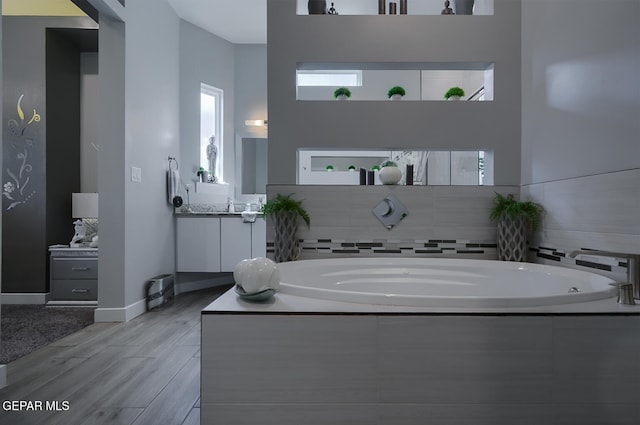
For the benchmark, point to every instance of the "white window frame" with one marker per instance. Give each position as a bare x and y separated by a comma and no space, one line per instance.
215,121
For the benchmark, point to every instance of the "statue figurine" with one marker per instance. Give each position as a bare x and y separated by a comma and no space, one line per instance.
80,233
447,10
332,10
212,156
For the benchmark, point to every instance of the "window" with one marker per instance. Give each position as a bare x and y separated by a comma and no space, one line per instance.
211,101
328,78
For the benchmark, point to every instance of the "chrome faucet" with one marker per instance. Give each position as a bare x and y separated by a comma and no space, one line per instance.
633,266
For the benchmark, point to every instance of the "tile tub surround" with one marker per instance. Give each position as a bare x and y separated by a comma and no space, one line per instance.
298,360
598,212
449,220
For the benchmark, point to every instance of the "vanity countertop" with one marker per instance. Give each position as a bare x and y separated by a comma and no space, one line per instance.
213,214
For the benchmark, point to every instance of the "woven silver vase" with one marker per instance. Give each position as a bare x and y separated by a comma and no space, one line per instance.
512,239
286,246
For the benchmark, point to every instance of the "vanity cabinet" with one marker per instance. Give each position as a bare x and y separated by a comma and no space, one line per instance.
73,274
198,244
217,243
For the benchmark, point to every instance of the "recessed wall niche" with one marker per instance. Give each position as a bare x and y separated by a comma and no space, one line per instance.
414,7
425,81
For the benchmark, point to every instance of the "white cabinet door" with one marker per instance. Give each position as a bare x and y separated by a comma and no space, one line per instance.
198,244
235,242
259,238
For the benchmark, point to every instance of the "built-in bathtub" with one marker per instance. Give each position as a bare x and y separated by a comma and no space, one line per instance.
434,282
301,357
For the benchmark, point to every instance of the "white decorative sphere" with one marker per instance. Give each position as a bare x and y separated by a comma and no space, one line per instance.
256,274
390,175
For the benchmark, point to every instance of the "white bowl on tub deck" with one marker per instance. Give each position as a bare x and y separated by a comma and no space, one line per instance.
256,274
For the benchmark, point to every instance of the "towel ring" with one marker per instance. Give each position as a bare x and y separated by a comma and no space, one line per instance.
171,160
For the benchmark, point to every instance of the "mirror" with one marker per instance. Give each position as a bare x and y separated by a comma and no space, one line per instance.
251,165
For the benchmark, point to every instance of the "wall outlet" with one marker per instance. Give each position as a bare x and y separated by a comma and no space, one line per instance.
136,174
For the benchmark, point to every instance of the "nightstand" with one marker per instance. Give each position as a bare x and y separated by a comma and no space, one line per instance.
73,275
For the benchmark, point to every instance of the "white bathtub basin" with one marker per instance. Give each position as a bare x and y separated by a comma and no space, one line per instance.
431,282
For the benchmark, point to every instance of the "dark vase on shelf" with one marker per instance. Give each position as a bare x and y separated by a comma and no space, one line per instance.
403,7
317,7
464,7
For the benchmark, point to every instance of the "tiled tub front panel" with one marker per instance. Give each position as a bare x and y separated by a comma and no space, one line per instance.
417,369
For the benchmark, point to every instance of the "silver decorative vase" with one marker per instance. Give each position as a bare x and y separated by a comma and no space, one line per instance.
512,239
286,246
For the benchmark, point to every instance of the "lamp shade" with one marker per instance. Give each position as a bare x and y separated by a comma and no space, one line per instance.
84,205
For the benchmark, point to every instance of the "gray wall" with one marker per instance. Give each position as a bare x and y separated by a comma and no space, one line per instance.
487,125
43,159
88,122
204,58
152,75
580,127
581,97
139,68
112,173
251,85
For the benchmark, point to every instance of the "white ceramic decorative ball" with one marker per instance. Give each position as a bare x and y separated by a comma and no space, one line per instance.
256,274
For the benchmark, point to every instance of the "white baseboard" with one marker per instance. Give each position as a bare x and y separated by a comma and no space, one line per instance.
123,314
3,375
25,298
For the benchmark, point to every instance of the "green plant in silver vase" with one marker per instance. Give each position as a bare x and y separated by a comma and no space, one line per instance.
516,220
285,211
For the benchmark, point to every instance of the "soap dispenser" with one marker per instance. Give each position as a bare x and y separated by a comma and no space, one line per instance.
230,206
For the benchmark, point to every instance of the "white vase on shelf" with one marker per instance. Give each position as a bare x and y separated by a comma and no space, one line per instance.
390,175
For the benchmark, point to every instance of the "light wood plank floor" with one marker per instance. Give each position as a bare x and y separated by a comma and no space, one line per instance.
145,371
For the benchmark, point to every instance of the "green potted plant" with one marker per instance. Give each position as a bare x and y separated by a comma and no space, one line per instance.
342,93
285,212
396,93
203,174
454,93
516,220
352,168
329,167
390,173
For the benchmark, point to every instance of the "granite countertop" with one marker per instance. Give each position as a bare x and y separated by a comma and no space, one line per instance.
212,213
214,210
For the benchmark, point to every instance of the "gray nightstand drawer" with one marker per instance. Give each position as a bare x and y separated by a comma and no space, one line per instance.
74,290
74,268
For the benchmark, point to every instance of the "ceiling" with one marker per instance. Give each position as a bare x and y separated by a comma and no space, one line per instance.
239,21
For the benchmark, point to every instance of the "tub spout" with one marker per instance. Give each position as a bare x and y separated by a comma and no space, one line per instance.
633,266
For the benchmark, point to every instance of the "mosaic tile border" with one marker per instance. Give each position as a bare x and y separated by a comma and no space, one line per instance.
448,247
445,248
608,264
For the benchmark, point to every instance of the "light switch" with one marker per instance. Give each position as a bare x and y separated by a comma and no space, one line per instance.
136,174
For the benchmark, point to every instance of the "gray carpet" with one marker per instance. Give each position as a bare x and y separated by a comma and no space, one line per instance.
25,328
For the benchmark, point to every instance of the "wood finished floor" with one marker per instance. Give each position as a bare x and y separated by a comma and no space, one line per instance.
145,371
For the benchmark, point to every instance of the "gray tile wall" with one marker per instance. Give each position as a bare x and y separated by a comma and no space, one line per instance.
414,369
596,212
442,220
